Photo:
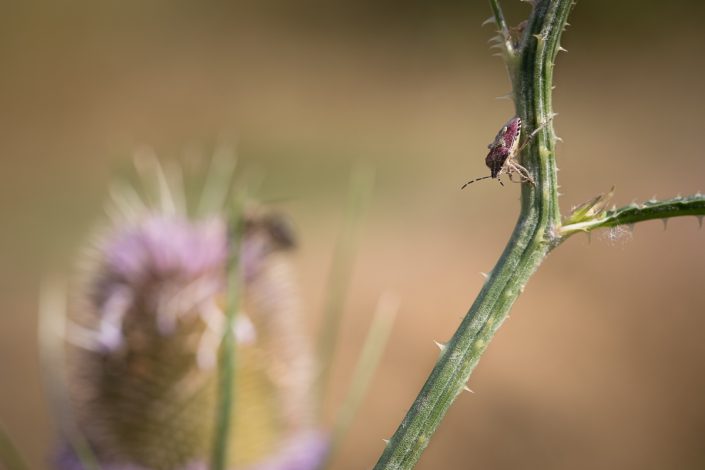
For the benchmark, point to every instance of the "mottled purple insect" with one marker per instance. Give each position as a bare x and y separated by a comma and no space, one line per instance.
502,157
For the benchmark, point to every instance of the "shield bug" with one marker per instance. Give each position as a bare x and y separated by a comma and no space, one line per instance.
502,157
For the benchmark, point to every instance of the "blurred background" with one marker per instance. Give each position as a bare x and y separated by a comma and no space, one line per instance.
602,364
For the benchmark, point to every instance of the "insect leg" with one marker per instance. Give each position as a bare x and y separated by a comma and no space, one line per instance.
526,175
523,172
532,135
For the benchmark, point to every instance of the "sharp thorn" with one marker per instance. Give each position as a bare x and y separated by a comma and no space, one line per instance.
489,20
495,40
467,389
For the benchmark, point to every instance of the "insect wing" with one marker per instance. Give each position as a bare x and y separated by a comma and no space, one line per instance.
510,133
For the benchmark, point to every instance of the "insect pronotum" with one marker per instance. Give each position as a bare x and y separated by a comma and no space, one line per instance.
502,157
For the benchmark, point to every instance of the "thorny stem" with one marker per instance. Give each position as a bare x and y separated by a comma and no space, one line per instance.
531,240
538,230
633,213
498,18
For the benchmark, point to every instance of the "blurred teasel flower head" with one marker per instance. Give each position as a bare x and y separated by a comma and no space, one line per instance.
145,326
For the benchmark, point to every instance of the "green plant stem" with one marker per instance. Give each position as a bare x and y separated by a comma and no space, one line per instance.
226,366
538,230
633,213
502,25
533,236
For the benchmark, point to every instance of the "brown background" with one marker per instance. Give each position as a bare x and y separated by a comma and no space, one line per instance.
602,362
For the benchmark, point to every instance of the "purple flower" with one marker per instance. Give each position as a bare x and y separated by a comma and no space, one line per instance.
147,327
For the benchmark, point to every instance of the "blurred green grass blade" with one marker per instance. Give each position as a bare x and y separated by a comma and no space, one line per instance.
367,363
10,456
360,193
218,181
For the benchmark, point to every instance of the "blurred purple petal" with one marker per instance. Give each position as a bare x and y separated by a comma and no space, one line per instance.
305,451
301,452
163,246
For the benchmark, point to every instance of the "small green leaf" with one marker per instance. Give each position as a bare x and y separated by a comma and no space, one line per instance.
595,207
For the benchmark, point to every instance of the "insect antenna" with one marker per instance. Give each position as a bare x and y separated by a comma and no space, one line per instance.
477,179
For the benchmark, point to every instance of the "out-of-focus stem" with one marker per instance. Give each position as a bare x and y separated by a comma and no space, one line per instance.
361,184
372,349
226,367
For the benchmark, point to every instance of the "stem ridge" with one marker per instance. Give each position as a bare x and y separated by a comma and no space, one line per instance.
531,77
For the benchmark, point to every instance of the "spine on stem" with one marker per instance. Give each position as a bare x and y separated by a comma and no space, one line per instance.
531,240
